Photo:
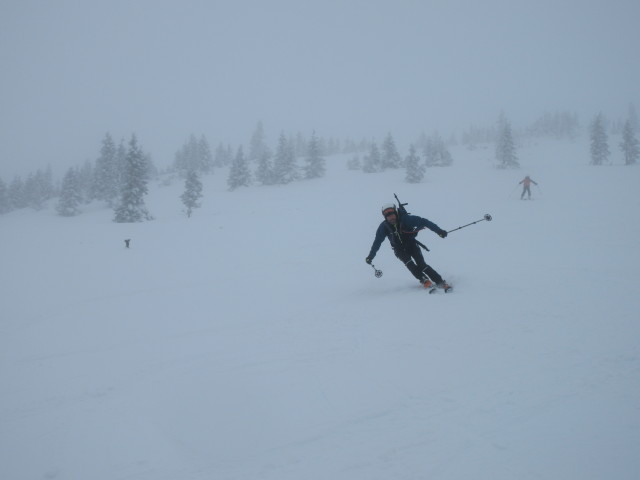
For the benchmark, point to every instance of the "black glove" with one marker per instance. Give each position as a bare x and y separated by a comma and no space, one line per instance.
443,233
368,260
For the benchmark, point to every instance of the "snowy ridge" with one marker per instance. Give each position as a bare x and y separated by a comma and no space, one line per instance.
252,340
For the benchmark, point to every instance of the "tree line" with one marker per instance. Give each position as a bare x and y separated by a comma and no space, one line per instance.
121,172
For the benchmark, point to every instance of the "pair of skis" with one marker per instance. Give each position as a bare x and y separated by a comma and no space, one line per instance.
435,288
432,289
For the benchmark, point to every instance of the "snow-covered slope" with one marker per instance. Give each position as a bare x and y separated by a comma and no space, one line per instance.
252,340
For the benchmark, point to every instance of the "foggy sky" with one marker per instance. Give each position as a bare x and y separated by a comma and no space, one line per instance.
74,70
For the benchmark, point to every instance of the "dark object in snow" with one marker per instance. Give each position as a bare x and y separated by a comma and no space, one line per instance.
126,242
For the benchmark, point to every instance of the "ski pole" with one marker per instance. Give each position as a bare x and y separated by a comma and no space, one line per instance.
378,273
486,217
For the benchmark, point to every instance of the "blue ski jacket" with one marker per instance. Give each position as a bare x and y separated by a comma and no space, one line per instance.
402,232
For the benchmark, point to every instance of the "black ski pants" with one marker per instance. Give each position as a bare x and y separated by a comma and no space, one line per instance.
411,256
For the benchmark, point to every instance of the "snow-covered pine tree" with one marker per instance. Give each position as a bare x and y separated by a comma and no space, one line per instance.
599,141
5,206
16,194
223,156
372,162
285,169
389,157
47,183
436,152
192,192
557,125
301,145
413,166
633,118
132,207
121,166
106,184
334,147
264,171
85,176
239,174
315,166
258,143
37,189
70,195
194,155
505,146
186,159
354,163
629,144
205,156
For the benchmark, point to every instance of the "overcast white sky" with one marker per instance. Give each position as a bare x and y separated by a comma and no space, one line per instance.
73,70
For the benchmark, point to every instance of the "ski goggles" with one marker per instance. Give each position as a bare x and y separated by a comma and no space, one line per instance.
388,213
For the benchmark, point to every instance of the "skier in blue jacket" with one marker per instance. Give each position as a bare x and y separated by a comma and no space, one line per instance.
401,232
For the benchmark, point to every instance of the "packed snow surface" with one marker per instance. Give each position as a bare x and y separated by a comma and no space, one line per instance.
252,341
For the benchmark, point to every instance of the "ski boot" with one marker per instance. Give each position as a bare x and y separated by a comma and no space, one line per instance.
426,283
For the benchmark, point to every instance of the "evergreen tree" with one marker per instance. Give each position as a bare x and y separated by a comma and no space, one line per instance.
301,145
47,185
121,166
205,155
85,175
599,141
629,144
36,190
285,169
223,156
414,168
633,118
354,163
186,159
333,146
17,197
422,141
505,146
192,192
258,144
106,184
436,152
70,195
239,174
474,135
350,146
264,172
372,162
322,145
390,158
132,207
557,125
315,166
5,206
195,155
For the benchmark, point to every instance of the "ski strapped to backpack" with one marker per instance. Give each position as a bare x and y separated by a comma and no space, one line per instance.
403,211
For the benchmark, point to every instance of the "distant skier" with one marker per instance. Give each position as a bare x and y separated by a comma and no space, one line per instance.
526,186
126,242
401,232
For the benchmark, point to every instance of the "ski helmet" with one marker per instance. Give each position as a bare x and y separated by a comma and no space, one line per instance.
388,208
